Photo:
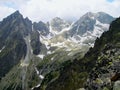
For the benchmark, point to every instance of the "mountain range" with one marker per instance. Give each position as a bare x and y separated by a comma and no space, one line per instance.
59,55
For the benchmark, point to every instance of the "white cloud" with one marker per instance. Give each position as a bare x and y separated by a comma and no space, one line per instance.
5,11
7,7
45,10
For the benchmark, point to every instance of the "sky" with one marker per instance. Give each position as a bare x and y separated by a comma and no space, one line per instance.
45,10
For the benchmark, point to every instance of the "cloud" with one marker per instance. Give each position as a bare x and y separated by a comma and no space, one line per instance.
5,11
7,7
45,10
17,3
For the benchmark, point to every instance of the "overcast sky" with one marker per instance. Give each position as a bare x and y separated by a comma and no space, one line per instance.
45,10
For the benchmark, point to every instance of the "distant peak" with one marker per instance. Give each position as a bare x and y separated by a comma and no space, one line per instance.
16,14
95,14
40,22
57,18
13,16
89,14
98,14
27,19
101,13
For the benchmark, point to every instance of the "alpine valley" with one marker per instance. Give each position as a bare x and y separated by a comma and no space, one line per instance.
59,54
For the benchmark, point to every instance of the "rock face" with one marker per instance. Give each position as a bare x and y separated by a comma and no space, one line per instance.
13,29
41,27
58,24
84,24
35,42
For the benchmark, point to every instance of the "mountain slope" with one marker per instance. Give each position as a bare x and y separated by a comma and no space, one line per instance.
96,70
57,24
12,30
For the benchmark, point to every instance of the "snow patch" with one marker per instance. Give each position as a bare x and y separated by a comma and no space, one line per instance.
58,44
23,64
37,85
64,30
52,58
48,47
38,31
41,76
102,24
37,71
92,17
49,52
2,49
73,39
41,56
53,31
49,36
69,54
68,49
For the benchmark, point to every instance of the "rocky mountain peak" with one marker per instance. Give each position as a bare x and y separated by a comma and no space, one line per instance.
89,21
41,27
104,17
89,14
100,16
101,13
15,15
58,24
57,19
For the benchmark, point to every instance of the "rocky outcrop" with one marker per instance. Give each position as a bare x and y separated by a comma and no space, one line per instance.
41,27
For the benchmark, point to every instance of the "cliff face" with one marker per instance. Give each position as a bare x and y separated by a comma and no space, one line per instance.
98,70
13,29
